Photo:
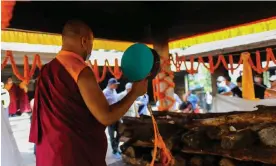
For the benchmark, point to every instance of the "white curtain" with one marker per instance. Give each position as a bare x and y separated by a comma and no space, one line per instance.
227,104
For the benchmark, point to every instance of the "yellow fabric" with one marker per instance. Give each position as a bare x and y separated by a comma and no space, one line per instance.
55,39
247,78
256,27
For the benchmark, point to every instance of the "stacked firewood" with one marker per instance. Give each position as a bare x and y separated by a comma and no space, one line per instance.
225,139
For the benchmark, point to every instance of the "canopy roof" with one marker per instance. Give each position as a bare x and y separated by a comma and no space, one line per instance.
132,21
236,44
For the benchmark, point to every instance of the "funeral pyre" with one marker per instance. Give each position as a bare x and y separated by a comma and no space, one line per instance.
225,139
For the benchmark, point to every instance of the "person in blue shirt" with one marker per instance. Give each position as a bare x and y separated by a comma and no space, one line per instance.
111,95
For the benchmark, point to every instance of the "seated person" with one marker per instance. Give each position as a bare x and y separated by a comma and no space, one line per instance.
260,90
186,107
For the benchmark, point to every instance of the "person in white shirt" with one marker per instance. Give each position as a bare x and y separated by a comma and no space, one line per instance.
5,99
209,99
111,96
133,110
142,102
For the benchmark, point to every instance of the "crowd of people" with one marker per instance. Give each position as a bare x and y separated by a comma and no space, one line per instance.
226,87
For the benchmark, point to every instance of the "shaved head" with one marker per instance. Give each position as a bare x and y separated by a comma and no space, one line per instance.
76,28
77,37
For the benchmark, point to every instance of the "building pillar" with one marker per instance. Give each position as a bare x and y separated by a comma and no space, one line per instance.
160,44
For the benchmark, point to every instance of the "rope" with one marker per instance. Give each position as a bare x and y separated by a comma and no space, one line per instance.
167,158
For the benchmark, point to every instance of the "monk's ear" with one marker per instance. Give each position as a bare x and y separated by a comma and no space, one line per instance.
83,42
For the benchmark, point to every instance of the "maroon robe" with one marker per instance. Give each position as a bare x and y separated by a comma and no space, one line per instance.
24,103
63,129
13,92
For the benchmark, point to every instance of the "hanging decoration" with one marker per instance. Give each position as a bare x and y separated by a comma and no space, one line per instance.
211,66
247,83
158,95
161,96
28,73
6,13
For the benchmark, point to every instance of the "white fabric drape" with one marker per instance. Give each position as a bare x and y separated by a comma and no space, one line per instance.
10,155
227,104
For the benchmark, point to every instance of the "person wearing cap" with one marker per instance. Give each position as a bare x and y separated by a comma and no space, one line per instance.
111,96
132,111
259,90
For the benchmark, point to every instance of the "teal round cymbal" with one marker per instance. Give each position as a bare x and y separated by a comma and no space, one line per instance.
137,62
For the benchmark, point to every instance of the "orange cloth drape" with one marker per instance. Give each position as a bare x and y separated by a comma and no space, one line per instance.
247,78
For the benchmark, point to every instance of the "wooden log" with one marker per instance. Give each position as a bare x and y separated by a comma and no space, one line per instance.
237,140
248,118
127,144
227,162
210,160
266,115
257,154
196,161
138,152
130,152
268,136
216,133
134,161
179,161
195,139
144,131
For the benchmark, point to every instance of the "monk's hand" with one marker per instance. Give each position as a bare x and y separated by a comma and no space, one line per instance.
140,88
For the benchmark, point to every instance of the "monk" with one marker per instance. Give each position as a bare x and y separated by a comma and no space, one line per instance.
24,103
13,91
70,112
